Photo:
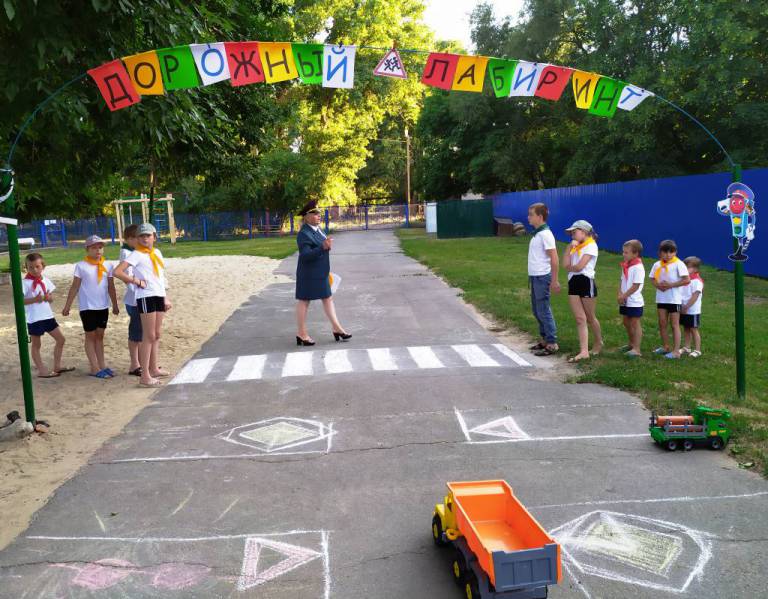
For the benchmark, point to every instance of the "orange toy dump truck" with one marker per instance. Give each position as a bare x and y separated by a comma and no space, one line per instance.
501,551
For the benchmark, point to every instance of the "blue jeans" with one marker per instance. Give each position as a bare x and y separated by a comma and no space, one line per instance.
541,308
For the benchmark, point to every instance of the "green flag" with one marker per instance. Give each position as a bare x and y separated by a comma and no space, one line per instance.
178,67
309,62
606,98
500,74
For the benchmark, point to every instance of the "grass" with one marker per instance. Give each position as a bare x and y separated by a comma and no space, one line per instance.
492,274
270,247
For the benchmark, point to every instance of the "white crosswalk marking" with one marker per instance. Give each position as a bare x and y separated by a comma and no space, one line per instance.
425,357
474,356
381,359
511,355
248,368
337,361
298,364
195,371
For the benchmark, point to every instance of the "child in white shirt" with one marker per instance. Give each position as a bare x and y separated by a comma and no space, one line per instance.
668,275
130,240
630,297
95,289
690,310
542,278
38,295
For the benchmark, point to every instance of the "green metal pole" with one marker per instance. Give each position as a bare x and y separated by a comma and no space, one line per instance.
18,299
738,277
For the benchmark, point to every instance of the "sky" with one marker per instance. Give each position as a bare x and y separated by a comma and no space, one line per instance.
450,18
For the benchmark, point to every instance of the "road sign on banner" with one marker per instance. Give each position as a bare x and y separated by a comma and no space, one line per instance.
391,66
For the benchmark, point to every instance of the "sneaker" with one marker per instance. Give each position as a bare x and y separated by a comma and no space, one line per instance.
685,350
694,354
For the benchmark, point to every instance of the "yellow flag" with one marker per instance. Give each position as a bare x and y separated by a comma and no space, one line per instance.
584,85
470,74
145,74
277,61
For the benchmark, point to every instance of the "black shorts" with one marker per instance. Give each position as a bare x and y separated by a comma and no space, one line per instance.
41,327
690,321
147,305
670,308
631,311
582,286
94,319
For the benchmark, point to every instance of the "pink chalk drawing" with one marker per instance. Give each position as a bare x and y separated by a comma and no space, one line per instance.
179,576
106,573
295,556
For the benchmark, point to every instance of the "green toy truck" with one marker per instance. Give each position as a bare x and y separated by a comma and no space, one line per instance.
704,426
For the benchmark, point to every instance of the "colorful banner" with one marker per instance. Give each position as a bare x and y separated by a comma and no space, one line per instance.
500,74
607,96
339,66
439,70
633,96
244,63
115,85
526,78
584,85
309,62
178,68
391,66
277,60
552,82
470,74
144,71
211,62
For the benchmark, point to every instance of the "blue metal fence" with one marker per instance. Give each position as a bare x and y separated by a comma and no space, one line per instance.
679,208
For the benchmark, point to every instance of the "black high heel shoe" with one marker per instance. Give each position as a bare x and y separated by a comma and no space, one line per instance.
341,336
303,342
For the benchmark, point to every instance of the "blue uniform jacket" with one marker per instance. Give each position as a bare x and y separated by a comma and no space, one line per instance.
314,266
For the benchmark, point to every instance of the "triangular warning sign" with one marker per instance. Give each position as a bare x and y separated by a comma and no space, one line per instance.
391,66
251,575
505,428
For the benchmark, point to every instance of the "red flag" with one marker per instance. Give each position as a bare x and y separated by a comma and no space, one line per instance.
115,85
439,70
552,82
244,63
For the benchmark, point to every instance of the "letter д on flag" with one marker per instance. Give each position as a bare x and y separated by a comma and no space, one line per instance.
211,61
115,85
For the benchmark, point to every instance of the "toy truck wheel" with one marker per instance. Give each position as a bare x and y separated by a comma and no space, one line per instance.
672,445
437,531
687,445
459,568
716,443
471,587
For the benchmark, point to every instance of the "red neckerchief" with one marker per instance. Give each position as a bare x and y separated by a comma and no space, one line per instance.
697,276
625,266
36,282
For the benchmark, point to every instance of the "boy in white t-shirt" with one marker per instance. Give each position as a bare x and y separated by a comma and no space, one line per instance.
95,289
543,265
630,297
38,294
130,240
690,310
668,275
151,300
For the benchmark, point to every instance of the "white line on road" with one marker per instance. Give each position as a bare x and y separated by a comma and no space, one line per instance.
248,368
425,357
381,359
474,356
511,355
652,500
336,361
568,438
195,371
298,364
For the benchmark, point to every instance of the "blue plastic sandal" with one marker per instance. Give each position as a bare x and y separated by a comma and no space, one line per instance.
110,372
101,374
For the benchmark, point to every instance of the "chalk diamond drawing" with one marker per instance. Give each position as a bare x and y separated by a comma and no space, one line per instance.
636,550
505,428
279,434
258,568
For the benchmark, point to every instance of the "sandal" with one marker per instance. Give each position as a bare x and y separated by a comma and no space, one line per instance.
151,385
539,345
574,359
625,348
51,375
67,369
546,351
694,354
101,374
660,351
632,355
135,371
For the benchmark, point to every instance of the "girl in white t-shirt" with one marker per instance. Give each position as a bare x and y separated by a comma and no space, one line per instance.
668,275
630,295
151,300
579,260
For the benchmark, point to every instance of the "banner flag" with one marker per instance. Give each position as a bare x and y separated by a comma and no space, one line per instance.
584,85
632,96
526,78
115,85
339,66
277,61
607,96
470,74
552,82
500,74
178,67
391,66
439,70
211,61
309,62
244,63
144,71
334,281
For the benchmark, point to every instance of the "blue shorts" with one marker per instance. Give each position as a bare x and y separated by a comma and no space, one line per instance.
134,324
690,321
631,311
41,327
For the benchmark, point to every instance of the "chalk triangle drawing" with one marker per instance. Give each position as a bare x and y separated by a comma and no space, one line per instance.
391,66
505,427
294,557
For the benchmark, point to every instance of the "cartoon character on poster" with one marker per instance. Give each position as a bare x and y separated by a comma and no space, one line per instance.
740,206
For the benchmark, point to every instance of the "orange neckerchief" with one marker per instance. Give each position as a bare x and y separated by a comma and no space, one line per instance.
101,270
625,266
581,246
36,282
665,266
157,263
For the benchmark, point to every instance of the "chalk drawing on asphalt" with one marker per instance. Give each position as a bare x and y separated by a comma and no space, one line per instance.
635,550
277,435
258,568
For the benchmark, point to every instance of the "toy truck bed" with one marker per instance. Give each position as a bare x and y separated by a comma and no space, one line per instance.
510,546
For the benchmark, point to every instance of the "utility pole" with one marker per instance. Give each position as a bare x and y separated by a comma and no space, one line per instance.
407,167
